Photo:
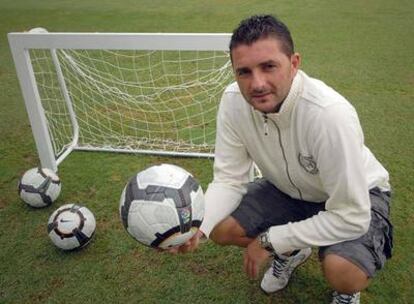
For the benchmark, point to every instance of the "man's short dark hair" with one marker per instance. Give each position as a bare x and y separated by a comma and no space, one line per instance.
259,27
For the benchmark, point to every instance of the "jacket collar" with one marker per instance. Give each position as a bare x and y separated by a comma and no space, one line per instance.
283,117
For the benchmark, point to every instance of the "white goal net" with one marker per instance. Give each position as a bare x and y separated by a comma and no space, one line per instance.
128,95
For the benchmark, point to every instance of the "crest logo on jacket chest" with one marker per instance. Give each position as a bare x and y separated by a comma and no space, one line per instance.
308,163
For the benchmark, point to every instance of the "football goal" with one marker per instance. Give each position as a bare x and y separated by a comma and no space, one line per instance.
121,92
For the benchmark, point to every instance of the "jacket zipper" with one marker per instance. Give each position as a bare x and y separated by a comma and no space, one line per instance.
283,153
266,127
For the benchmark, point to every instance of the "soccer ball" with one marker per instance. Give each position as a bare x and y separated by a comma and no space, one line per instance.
162,206
39,187
71,226
38,30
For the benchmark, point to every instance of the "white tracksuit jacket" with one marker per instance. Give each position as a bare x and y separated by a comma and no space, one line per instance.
312,149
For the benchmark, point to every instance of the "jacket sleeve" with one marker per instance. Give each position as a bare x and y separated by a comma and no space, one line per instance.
337,144
232,166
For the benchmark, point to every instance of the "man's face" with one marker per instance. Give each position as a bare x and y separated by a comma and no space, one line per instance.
264,73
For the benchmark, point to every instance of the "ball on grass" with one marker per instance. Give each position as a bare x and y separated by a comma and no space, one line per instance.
71,226
39,187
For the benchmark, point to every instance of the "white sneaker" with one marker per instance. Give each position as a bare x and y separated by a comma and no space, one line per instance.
278,275
341,298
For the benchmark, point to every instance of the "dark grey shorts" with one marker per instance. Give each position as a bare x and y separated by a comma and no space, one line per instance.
264,206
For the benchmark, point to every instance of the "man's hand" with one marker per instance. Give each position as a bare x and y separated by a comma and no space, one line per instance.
189,246
254,257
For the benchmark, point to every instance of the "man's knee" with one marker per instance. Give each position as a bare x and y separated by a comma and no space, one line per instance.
227,232
343,275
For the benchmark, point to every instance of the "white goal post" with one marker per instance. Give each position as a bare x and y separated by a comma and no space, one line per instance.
153,93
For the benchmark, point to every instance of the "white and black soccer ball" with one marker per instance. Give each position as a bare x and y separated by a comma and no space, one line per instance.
162,206
39,187
71,226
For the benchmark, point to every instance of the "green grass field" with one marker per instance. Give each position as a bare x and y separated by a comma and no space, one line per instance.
362,48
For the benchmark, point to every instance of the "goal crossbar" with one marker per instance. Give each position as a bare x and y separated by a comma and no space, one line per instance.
121,41
150,93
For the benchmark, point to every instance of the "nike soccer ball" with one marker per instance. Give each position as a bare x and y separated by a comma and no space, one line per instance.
71,226
162,206
39,187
